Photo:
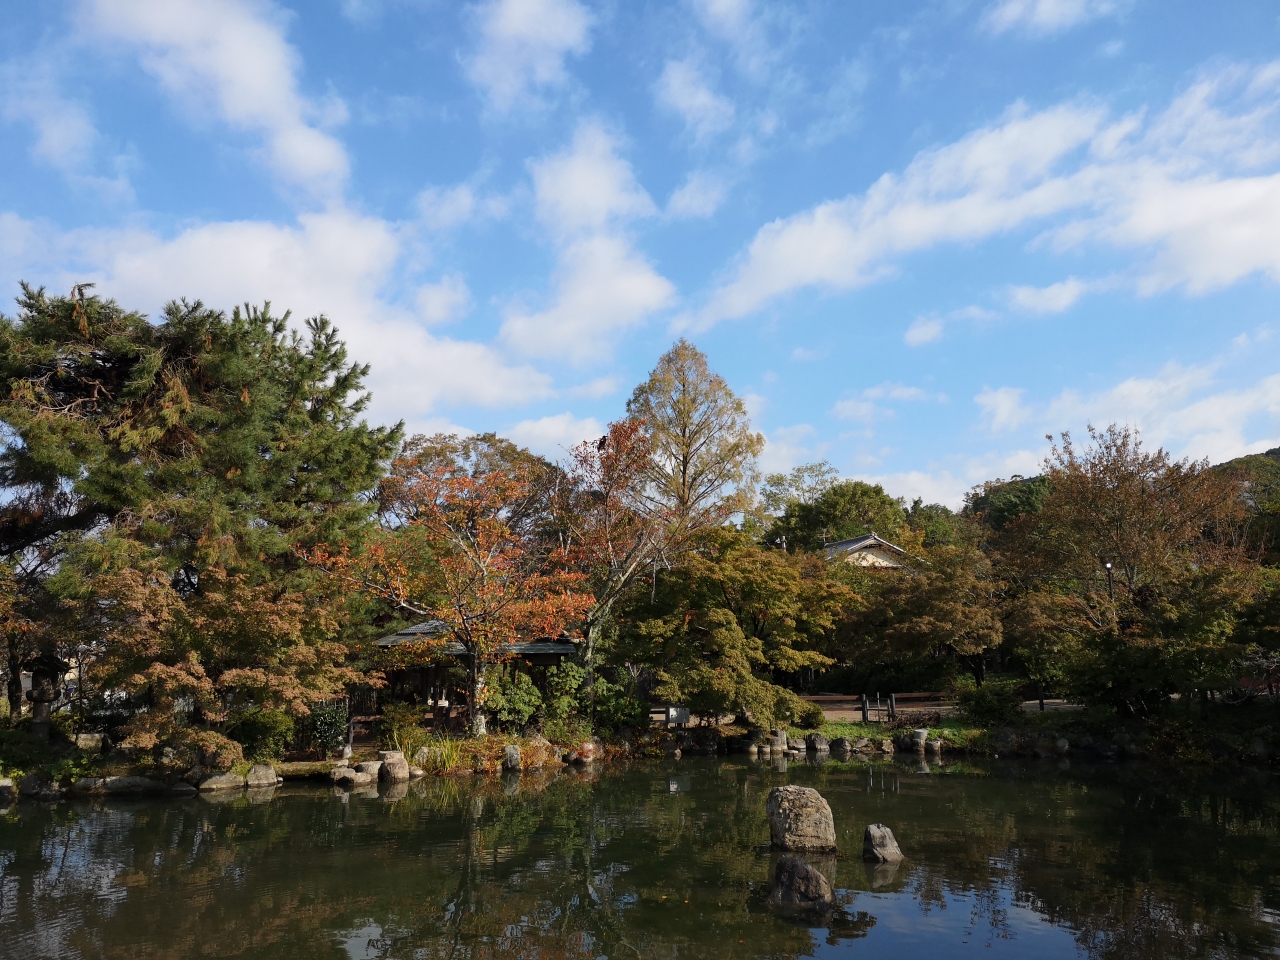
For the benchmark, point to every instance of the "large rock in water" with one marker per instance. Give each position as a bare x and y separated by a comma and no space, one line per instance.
879,845
261,775
800,819
222,781
800,887
395,768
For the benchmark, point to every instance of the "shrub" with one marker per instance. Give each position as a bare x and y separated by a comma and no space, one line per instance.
513,701
328,723
569,731
563,685
616,708
995,703
264,734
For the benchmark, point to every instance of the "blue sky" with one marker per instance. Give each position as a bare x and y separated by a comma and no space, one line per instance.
917,237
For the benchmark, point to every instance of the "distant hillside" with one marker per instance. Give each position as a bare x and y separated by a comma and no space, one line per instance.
1261,473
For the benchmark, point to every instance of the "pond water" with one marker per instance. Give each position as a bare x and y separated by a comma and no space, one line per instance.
658,860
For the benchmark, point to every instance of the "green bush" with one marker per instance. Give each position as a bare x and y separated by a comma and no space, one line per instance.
20,752
563,685
264,734
616,708
996,703
513,701
568,732
328,722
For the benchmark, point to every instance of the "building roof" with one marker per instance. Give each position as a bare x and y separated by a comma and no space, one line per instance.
560,646
863,544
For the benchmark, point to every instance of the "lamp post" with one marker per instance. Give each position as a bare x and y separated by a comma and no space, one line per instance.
1111,583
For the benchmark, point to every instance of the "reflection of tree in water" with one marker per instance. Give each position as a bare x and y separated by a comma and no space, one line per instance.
621,866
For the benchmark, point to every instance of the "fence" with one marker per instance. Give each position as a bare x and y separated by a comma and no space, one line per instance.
878,709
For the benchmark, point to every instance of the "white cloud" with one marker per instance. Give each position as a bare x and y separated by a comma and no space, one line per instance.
700,195
444,301
553,437
739,24
585,196
588,186
1178,409
1043,17
233,57
800,353
863,411
1003,408
1054,298
683,90
523,46
900,391
602,287
785,447
1189,190
65,135
923,330
333,263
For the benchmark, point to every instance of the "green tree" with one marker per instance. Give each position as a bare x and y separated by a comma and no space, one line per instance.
728,624
1135,570
167,475
846,509
702,447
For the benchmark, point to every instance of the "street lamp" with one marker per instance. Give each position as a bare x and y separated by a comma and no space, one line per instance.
1111,583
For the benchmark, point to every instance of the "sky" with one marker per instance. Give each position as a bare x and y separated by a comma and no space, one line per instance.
915,237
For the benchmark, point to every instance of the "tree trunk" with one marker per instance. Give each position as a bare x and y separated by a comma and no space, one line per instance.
14,685
476,695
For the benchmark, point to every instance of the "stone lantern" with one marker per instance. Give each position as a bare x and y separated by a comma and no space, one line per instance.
47,672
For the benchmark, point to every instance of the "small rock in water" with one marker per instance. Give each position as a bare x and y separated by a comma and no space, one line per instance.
879,845
221,781
800,819
370,767
816,741
886,746
395,768
511,758
798,886
1062,745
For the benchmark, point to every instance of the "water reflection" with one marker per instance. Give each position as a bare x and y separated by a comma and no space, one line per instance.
654,861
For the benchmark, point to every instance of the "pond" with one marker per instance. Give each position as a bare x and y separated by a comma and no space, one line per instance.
658,860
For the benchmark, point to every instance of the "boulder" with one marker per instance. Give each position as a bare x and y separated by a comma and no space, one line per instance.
863,745
261,775
92,742
1062,745
587,751
800,819
395,768
8,790
840,743
886,746
798,886
352,777
87,786
918,738
422,757
416,773
30,785
511,758
795,743
935,746
222,781
816,741
1259,749
370,767
133,786
879,845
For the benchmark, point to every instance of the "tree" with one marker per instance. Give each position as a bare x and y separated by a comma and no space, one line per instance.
1135,568
803,485
846,509
160,481
943,605
733,618
614,533
453,548
702,448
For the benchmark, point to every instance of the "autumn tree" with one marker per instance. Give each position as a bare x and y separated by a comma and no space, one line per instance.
736,618
1132,571
159,482
702,447
455,546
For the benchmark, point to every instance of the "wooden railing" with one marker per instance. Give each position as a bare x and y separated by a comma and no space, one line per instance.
876,708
